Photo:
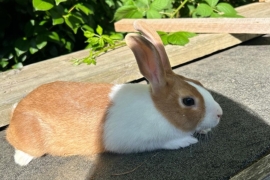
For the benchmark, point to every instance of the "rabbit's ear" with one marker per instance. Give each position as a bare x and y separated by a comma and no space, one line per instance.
148,60
154,38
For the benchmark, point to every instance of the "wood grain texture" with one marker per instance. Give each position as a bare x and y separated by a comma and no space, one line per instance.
117,66
202,25
259,171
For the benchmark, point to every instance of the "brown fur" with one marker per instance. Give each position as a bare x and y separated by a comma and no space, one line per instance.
78,108
67,118
167,102
168,88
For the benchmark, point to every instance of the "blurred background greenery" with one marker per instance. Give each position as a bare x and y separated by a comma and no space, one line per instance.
36,30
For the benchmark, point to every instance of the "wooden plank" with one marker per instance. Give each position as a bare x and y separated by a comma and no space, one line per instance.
202,25
259,171
116,66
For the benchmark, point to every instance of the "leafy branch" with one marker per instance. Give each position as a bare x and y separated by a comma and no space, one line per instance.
99,43
182,4
49,28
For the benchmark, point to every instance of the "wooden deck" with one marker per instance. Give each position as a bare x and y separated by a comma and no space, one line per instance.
117,66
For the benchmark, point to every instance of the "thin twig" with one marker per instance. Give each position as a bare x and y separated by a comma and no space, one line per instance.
179,7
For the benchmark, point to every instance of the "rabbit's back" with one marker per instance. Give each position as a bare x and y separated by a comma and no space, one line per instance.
61,118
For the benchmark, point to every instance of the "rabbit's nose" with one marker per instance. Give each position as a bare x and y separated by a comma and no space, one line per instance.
219,115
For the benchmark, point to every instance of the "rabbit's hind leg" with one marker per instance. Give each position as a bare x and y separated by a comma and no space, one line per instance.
22,158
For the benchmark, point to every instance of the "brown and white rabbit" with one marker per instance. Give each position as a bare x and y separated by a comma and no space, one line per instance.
75,118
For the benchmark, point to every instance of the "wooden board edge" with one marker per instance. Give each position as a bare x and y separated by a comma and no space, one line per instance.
259,170
201,25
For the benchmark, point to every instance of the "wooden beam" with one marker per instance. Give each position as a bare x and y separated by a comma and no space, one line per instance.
202,25
259,171
117,66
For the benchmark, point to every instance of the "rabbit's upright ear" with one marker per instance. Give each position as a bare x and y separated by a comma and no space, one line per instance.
148,60
154,38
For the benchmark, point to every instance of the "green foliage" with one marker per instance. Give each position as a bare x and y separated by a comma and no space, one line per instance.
173,9
100,43
176,38
34,30
142,9
156,9
211,8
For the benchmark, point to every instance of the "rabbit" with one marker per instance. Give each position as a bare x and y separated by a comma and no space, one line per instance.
80,118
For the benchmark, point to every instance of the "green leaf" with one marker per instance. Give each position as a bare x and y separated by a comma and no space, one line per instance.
88,34
3,62
204,10
99,30
89,60
41,41
58,21
212,3
117,36
141,4
33,47
21,46
153,14
54,37
59,1
159,4
17,66
93,41
188,34
128,2
85,27
41,23
23,58
86,8
129,11
226,8
73,21
177,39
88,46
43,5
107,39
110,3
101,42
231,16
215,15
164,37
69,46
135,15
56,16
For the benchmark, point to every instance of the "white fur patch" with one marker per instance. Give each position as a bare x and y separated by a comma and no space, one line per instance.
180,143
212,109
134,124
22,158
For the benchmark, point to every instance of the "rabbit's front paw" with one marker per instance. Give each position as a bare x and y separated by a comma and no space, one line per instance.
180,143
204,131
22,158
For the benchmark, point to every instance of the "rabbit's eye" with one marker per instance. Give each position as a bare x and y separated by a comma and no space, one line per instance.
188,101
